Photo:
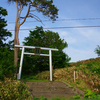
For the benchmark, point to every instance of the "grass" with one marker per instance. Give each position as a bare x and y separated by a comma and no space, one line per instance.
71,87
49,87
32,78
88,72
88,75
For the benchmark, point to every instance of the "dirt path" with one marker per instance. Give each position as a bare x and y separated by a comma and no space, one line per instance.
51,89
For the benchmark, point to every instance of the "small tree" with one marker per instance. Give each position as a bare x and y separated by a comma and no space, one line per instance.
47,39
97,50
44,6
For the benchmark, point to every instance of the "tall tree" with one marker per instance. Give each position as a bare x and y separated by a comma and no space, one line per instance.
44,6
6,54
49,39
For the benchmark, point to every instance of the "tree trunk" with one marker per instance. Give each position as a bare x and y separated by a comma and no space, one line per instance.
16,40
17,26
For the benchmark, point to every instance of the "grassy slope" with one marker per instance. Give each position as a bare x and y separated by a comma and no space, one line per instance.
87,76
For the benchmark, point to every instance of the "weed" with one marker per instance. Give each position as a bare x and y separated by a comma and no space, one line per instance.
77,96
74,89
35,98
71,87
90,94
42,98
32,83
29,77
66,84
78,82
14,90
37,82
48,87
78,65
50,82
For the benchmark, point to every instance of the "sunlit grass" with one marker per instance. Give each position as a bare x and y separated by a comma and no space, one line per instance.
32,78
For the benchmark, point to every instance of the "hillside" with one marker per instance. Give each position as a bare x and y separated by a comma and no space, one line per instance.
87,74
80,78
85,61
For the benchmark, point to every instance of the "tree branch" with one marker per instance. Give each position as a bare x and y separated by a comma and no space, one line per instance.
21,6
36,17
22,17
26,14
32,10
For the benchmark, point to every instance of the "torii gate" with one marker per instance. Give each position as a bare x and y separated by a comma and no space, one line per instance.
37,52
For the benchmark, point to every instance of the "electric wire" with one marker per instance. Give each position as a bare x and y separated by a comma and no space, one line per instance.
61,27
61,20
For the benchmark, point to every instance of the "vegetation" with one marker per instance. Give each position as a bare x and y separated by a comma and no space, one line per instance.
87,76
97,50
47,39
14,90
6,54
17,90
87,73
46,7
7,68
85,61
4,34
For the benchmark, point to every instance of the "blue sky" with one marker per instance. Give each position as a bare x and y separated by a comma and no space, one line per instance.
81,41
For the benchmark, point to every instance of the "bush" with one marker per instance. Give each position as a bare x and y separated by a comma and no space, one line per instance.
7,68
14,90
90,94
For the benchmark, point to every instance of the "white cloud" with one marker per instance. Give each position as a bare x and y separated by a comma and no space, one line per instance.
78,54
63,33
90,35
70,40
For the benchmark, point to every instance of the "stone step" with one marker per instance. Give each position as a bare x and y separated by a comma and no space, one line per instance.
50,89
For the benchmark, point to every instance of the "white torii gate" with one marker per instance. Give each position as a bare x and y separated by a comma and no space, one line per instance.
32,47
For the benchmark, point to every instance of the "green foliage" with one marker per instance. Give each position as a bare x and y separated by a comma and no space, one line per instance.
78,65
47,39
42,98
77,96
14,90
97,50
6,54
78,82
94,67
6,63
90,94
44,6
29,77
3,32
58,98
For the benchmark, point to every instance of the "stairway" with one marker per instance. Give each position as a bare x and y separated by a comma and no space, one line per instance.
50,89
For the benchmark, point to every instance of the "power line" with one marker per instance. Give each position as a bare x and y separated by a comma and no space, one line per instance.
62,20
60,27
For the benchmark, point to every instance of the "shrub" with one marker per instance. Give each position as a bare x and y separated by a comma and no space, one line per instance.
7,68
14,90
90,94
